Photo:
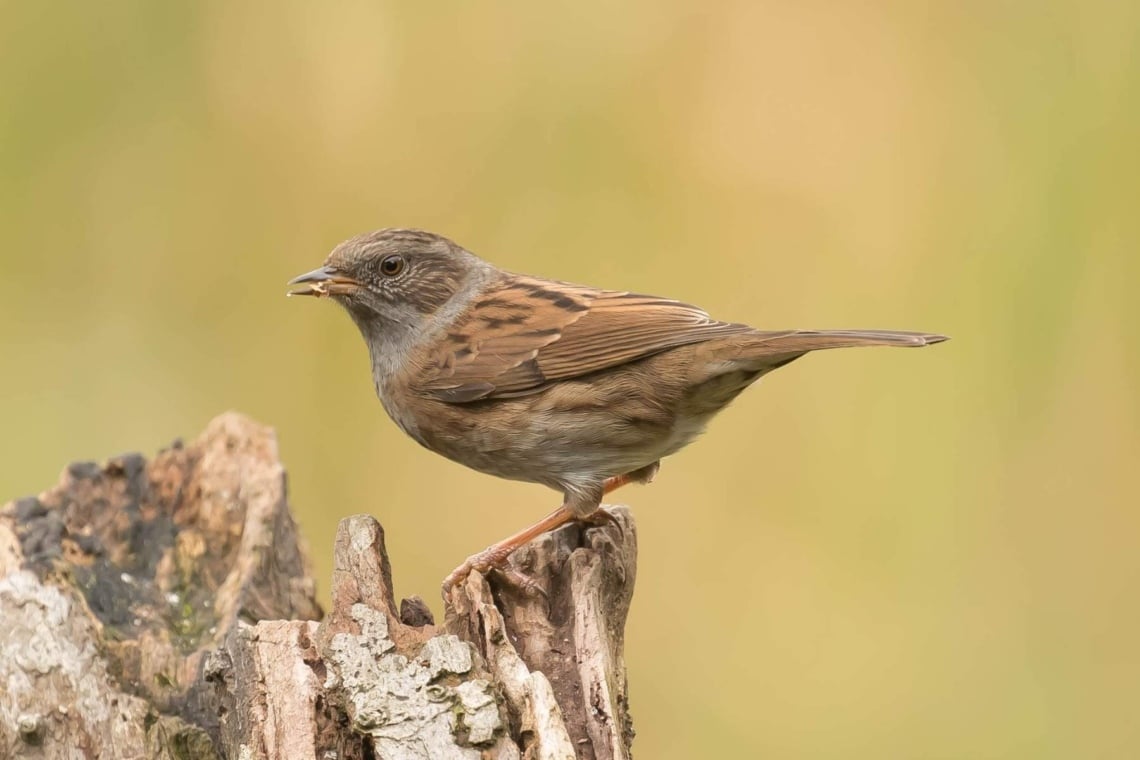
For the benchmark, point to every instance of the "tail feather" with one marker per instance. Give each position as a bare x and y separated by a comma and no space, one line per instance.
757,353
765,351
795,341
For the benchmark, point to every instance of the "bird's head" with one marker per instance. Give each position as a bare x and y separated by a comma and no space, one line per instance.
391,277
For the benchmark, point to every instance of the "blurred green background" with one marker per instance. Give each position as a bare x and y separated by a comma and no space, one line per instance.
874,553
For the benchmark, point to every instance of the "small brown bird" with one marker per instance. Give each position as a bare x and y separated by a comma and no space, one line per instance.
581,389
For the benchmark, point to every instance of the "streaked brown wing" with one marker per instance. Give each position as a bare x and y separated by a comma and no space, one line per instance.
532,332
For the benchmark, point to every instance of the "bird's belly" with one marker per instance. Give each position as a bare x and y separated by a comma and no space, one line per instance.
555,447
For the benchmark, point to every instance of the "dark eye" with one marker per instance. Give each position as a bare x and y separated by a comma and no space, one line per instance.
390,266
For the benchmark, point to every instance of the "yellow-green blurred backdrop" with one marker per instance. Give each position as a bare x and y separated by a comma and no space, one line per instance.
909,554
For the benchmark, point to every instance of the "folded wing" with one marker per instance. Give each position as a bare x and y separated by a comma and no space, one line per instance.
530,332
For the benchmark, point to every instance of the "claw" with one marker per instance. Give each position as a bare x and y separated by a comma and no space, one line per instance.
521,581
489,558
495,556
454,578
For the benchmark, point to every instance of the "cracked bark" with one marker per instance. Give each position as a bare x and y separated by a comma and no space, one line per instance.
166,608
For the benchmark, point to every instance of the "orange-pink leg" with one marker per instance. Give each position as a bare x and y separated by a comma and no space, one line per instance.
642,475
495,556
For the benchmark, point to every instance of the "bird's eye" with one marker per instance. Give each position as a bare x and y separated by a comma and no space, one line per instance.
390,266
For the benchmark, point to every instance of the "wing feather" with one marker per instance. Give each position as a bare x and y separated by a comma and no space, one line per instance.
530,332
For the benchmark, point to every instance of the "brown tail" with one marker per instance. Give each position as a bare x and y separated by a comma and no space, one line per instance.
769,350
799,341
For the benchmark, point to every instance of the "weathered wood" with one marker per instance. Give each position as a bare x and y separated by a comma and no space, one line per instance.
562,651
166,609
115,584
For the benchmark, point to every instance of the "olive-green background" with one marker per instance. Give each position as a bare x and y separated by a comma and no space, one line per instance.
877,553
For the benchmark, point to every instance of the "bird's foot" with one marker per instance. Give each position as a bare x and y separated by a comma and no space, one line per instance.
492,559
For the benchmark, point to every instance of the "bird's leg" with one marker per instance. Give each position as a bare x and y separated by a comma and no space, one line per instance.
495,555
583,508
600,518
641,475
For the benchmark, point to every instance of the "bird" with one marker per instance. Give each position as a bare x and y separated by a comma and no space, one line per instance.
576,388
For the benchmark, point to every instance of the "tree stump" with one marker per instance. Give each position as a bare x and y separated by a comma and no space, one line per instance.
166,609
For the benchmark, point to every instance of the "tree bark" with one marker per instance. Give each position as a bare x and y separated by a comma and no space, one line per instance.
166,609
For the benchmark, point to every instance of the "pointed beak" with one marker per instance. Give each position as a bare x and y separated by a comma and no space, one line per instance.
324,281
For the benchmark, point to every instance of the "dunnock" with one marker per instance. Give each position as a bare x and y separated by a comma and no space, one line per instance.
577,388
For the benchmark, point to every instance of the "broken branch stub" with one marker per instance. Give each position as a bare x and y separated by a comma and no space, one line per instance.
119,582
165,608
